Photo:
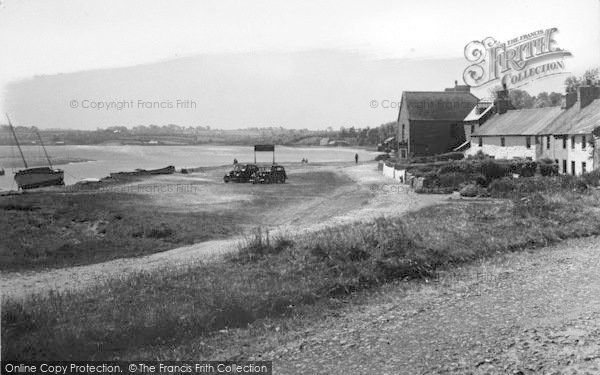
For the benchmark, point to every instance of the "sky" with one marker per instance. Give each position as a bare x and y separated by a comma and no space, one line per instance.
296,64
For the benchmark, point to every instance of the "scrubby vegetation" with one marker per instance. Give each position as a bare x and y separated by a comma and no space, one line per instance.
273,276
447,176
53,229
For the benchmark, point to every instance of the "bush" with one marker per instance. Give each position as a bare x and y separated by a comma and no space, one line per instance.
258,244
431,180
535,205
528,169
450,156
548,169
493,170
524,168
458,167
469,191
570,182
502,188
480,155
452,180
592,178
480,180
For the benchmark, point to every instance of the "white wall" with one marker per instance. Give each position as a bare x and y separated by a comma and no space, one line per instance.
515,146
570,154
396,174
388,171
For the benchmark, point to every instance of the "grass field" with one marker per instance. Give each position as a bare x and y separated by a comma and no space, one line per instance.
55,229
160,314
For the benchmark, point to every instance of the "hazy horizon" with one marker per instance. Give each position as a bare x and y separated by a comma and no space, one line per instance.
262,63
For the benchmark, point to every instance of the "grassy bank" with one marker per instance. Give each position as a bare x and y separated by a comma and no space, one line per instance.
54,229
162,311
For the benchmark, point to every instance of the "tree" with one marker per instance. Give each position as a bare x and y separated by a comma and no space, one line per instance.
521,99
590,76
352,132
555,98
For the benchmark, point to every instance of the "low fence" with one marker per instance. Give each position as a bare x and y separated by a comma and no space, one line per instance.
403,177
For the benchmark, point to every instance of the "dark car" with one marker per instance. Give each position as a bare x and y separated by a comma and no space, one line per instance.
240,173
274,174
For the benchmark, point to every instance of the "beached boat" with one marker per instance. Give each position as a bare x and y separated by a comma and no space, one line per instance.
143,172
30,178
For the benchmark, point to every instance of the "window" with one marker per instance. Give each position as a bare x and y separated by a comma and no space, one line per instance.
583,143
565,166
583,167
472,129
480,141
548,143
528,142
502,142
573,168
402,131
564,142
572,142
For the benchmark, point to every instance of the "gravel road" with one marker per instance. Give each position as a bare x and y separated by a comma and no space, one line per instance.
522,313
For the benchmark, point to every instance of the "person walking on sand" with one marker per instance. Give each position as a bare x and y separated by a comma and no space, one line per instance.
356,158
234,161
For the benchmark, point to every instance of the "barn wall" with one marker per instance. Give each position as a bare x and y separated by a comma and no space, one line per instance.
435,137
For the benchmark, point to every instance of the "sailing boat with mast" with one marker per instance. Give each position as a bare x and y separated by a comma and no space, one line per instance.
30,178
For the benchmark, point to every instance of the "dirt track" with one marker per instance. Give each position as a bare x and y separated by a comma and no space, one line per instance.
371,196
523,313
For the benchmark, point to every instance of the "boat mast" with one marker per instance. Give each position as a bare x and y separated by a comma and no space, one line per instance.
44,147
16,140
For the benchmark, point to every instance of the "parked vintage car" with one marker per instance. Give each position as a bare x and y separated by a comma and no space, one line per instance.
274,174
240,173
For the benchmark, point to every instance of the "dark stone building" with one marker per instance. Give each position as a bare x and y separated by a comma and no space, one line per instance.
431,122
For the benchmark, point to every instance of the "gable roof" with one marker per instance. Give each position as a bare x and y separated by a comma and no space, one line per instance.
576,121
519,122
438,105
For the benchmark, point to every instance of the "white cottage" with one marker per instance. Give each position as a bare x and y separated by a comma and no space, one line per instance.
569,135
572,138
513,134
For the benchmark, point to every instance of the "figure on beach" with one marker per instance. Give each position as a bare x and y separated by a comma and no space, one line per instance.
304,161
235,161
356,158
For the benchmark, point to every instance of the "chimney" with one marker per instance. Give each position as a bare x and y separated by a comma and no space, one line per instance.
587,94
503,102
458,88
570,98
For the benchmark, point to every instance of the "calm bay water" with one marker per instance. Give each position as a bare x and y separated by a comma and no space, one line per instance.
106,159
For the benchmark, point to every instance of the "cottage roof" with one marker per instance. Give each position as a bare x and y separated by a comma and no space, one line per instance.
575,120
519,122
438,105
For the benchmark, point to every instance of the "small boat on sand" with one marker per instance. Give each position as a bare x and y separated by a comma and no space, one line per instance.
30,178
143,172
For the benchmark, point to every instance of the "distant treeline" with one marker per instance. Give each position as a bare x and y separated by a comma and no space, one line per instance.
178,135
